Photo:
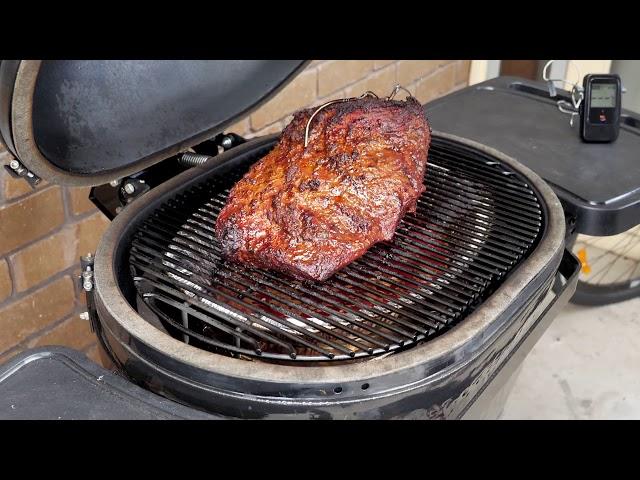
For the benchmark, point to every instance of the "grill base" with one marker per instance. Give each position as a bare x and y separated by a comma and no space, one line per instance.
478,390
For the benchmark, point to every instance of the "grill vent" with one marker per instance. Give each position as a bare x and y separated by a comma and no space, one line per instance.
476,221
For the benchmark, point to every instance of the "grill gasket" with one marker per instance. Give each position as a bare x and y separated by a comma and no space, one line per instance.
465,187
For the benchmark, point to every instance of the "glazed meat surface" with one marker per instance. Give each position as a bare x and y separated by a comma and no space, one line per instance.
311,211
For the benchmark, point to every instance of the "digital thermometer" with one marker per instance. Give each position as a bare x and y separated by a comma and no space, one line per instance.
601,107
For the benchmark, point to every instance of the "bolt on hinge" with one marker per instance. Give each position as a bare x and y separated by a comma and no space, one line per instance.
87,280
86,277
17,170
132,188
227,142
87,283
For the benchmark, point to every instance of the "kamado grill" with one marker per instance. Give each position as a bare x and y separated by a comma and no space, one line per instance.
432,325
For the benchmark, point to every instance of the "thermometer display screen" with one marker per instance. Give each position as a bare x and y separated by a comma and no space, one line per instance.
603,95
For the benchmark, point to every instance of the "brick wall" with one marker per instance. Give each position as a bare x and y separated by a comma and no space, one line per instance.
325,80
42,235
44,232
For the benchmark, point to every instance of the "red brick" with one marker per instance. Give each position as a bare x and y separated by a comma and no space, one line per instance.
89,232
58,252
5,280
97,356
79,202
273,128
411,70
462,72
378,64
334,75
411,88
240,128
380,82
436,85
300,93
16,187
5,357
11,187
26,316
30,218
73,333
38,262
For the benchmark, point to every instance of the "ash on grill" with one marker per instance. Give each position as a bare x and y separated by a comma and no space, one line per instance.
475,222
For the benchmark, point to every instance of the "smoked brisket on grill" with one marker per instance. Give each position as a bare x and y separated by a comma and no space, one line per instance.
311,211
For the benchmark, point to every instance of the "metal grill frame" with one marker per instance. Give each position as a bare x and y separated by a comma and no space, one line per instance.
171,367
472,226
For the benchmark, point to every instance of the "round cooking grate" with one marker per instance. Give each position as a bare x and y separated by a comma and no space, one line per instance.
476,221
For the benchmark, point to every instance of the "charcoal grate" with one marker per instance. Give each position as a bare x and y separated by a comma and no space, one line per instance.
476,221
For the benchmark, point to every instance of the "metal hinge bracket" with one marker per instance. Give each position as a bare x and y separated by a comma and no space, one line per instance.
17,170
87,284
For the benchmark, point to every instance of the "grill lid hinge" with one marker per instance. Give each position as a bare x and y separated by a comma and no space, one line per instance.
87,284
111,198
17,170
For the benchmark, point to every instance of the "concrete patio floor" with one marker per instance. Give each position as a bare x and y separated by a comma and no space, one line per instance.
586,366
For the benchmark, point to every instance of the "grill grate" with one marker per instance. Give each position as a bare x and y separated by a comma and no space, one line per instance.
476,221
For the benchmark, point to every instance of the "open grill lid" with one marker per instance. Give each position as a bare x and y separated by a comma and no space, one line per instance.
87,122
